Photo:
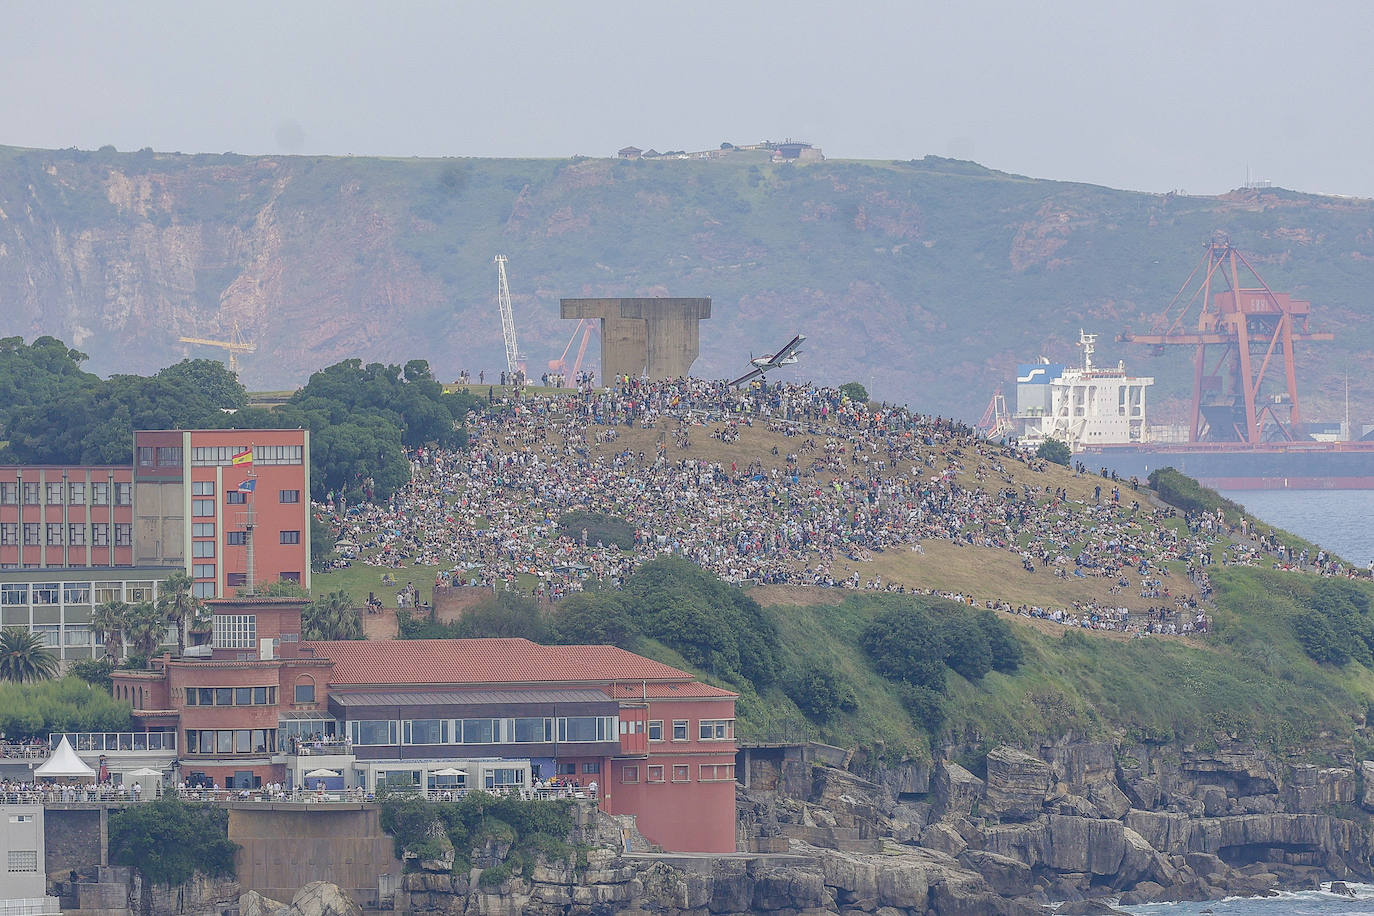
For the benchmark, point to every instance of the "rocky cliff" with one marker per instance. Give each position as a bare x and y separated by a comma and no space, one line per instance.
928,281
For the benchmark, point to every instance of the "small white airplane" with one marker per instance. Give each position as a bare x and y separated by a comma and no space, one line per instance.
787,356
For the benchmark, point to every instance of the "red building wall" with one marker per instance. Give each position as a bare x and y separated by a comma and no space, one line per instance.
686,810
77,504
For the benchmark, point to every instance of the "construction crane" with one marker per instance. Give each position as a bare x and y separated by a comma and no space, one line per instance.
235,345
1249,331
586,327
996,422
514,362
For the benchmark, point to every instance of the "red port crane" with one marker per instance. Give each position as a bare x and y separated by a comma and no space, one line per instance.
1243,337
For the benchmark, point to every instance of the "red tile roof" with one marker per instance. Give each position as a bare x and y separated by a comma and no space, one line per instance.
483,661
614,663
660,691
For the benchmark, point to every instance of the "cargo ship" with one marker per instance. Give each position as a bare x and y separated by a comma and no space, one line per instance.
1100,413
1245,430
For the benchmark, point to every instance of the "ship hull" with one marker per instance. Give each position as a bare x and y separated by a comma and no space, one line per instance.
1340,466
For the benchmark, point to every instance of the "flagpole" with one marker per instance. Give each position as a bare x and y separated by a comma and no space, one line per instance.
250,524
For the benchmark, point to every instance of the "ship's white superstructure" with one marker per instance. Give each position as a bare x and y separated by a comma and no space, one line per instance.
1081,406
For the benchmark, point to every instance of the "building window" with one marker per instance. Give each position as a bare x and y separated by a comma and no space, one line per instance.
100,494
235,538
235,498
654,773
305,693
717,772
9,492
591,768
124,494
202,529
290,537
234,580
655,729
108,591
30,494
50,634
203,571
45,592
289,496
504,776
682,773
291,577
277,454
76,636
716,729
566,769
629,775
203,507
23,860
9,534
54,534
32,532
138,591
76,493
202,549
169,456
202,488
235,631
76,535
100,534
679,729
203,589
372,731
124,534
76,593
54,494
145,456
13,594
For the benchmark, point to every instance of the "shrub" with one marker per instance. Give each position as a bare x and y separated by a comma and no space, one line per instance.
169,840
608,529
820,691
1054,450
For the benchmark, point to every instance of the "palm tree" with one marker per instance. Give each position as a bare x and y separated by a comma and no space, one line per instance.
145,628
108,621
24,657
179,606
332,616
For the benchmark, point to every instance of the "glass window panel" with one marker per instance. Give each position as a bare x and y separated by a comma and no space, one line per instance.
477,731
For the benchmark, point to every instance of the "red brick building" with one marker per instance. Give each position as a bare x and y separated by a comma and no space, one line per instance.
193,506
449,714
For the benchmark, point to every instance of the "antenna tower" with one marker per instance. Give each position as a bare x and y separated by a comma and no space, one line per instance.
514,363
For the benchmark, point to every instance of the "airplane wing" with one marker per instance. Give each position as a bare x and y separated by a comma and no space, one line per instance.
747,377
788,349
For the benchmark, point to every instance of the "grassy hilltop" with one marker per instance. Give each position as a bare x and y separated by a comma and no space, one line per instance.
1252,679
928,280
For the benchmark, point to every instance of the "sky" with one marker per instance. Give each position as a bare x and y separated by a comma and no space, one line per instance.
1196,96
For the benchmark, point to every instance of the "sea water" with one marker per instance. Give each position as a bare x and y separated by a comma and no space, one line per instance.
1297,903
1342,521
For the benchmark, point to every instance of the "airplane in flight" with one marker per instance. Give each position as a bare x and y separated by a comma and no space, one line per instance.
787,356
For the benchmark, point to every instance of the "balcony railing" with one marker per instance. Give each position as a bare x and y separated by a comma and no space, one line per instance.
115,742
58,795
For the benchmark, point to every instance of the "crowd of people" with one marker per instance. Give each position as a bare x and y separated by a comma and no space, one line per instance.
845,480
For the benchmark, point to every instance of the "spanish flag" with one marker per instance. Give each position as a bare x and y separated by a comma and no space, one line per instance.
243,457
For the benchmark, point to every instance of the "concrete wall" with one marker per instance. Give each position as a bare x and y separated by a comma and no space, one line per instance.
73,839
657,337
285,847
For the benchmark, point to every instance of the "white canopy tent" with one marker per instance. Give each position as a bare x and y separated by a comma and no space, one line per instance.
64,764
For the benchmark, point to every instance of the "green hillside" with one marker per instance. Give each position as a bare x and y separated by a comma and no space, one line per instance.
927,280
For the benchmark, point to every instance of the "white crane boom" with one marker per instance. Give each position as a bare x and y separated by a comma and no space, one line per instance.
507,319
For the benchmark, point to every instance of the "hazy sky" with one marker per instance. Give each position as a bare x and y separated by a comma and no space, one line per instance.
1151,96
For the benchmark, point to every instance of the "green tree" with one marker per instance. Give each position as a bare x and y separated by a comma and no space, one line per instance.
108,621
595,619
24,657
94,671
820,690
331,616
181,608
855,392
1055,451
322,540
211,378
169,840
69,704
145,627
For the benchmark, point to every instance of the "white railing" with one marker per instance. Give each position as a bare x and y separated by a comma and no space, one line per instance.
58,795
117,742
